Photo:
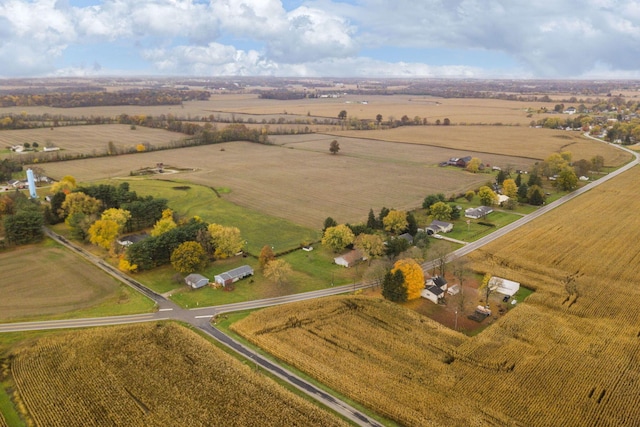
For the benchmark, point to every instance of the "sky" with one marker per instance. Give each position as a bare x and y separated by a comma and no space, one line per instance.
515,39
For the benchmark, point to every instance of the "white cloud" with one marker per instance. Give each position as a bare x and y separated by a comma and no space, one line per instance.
324,37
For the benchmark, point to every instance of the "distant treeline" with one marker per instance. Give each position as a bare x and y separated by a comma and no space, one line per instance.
103,98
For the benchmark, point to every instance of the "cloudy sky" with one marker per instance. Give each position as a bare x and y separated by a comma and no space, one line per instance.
333,38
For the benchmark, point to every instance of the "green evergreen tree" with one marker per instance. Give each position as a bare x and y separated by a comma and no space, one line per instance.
523,189
329,222
412,224
371,220
393,287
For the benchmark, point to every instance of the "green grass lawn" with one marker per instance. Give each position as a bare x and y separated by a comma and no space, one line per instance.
258,229
311,271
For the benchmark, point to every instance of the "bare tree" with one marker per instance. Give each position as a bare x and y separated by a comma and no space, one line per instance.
440,252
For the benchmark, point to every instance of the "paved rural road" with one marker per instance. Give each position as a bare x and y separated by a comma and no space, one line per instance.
200,317
539,212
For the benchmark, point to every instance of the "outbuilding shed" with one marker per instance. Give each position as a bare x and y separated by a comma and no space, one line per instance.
196,281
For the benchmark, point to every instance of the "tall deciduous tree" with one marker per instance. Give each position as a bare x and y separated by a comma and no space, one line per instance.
337,238
226,240
567,179
278,270
370,245
474,165
164,224
79,203
413,277
66,185
509,188
119,216
266,256
189,257
103,232
441,211
487,196
395,221
334,147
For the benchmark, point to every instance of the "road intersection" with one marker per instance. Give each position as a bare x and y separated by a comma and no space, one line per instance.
201,317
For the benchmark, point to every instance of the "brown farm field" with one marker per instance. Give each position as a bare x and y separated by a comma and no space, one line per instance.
302,185
458,110
299,180
568,355
515,141
48,281
89,139
158,374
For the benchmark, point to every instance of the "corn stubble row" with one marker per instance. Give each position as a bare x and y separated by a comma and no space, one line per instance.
569,355
148,375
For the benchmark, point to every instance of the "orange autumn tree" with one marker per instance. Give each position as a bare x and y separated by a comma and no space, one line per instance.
413,276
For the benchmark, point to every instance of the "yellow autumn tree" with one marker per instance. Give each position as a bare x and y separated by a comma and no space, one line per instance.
278,270
227,241
370,245
119,216
509,188
189,257
79,204
413,276
338,237
164,224
66,184
126,266
395,221
103,233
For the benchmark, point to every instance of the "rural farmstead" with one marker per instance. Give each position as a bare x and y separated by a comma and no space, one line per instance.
231,276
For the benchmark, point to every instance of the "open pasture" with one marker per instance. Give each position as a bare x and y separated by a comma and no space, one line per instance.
257,228
299,185
159,374
89,139
46,280
566,356
515,141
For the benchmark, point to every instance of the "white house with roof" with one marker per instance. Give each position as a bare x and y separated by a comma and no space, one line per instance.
437,226
477,213
232,276
434,289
